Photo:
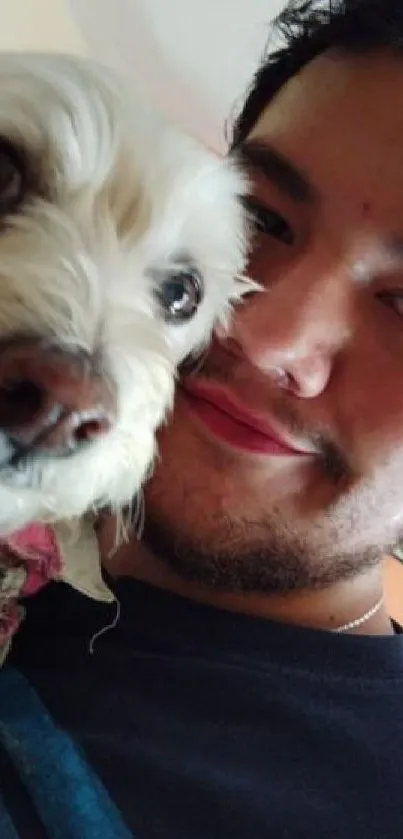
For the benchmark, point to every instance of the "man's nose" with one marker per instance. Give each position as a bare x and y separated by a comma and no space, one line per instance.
294,330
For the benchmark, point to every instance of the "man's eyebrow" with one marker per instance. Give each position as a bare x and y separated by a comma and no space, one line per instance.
277,169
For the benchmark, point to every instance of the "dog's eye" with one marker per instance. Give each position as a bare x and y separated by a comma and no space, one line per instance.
180,295
12,177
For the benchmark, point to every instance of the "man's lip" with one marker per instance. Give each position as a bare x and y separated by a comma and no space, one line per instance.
259,435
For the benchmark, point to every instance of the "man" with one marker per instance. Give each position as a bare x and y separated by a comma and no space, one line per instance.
253,685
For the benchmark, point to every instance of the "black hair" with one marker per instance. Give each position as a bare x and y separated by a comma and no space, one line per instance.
308,29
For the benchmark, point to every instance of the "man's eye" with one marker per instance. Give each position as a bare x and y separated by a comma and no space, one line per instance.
268,222
393,299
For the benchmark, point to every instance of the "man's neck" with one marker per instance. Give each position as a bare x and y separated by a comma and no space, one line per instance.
327,609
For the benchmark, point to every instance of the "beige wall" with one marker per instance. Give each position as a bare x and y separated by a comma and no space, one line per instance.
39,25
192,58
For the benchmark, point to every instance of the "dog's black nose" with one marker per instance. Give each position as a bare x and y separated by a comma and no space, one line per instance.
52,400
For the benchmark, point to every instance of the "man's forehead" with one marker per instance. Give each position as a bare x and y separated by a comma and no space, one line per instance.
333,139
365,87
339,124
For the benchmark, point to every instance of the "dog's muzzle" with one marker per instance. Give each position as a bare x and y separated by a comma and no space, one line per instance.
52,401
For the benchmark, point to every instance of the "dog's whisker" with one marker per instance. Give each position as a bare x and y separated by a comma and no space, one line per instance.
241,278
139,516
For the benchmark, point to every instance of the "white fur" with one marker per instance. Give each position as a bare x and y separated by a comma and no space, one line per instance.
119,192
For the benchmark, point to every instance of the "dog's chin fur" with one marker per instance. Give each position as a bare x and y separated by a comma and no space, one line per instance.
115,197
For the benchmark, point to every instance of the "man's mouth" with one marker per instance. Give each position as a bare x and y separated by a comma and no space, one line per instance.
234,424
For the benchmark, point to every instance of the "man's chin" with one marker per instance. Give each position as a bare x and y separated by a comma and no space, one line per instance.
274,567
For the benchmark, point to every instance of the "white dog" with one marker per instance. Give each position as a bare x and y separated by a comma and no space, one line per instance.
122,244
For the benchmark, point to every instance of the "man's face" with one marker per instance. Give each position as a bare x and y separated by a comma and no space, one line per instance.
314,362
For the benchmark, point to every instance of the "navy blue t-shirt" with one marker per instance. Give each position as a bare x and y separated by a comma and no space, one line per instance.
188,722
